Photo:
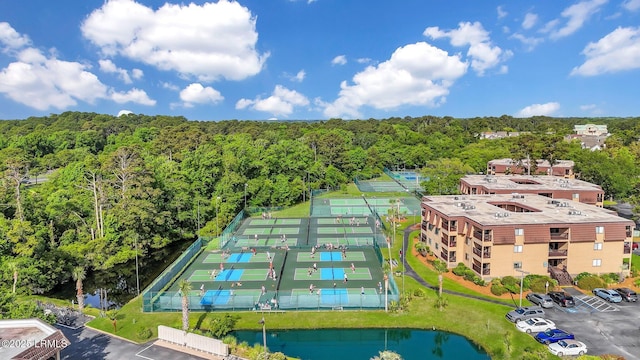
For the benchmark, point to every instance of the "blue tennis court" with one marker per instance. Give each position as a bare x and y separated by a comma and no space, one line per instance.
240,258
331,256
331,273
230,275
215,297
334,296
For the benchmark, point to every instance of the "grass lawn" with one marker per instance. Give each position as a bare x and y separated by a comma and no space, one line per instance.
483,323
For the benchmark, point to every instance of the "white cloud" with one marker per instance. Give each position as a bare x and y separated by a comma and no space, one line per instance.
501,12
617,51
529,42
587,107
281,102
197,94
124,112
43,82
416,74
108,66
539,110
631,5
363,60
209,41
11,39
339,60
298,77
576,15
484,55
170,86
530,20
134,95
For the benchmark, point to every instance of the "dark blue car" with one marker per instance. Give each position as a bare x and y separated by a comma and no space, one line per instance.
553,335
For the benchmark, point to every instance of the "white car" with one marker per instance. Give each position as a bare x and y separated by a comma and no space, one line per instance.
535,325
568,347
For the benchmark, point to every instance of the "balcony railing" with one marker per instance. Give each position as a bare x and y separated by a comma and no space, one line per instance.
452,259
485,271
557,253
483,254
558,236
627,249
444,256
629,233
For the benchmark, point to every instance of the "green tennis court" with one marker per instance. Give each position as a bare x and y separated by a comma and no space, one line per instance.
332,274
342,221
286,231
257,231
351,255
269,222
351,210
352,202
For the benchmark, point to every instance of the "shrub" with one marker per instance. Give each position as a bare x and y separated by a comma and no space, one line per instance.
510,281
469,274
419,292
460,269
581,275
610,278
539,284
497,289
590,282
478,281
144,333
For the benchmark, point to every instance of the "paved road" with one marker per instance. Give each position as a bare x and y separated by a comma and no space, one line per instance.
87,343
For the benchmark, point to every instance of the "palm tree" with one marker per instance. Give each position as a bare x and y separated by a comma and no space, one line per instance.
440,267
13,267
79,274
185,288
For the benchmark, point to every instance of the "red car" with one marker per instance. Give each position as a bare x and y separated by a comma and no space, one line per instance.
634,246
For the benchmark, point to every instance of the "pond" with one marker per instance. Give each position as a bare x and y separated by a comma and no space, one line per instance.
363,344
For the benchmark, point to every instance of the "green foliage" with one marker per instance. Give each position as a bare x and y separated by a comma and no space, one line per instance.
460,269
498,289
610,278
220,326
10,308
441,303
144,333
538,283
582,275
591,282
419,292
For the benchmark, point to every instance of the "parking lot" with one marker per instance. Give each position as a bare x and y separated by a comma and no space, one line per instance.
605,328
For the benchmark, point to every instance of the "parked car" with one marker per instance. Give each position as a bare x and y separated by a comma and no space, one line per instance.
542,300
627,294
535,325
524,313
568,347
553,335
606,294
562,298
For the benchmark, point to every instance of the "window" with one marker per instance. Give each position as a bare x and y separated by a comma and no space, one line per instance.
519,232
466,256
517,265
597,246
596,262
466,241
517,248
437,246
599,229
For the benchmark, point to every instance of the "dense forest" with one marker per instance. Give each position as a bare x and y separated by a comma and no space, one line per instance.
78,190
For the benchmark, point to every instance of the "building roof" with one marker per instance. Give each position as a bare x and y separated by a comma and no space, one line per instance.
517,183
540,163
484,210
30,339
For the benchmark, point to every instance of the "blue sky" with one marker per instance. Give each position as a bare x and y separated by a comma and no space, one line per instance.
320,59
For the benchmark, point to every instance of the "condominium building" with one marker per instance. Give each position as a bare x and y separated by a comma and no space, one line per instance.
562,168
550,186
511,234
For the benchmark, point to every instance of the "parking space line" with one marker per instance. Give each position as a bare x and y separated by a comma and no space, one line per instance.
143,350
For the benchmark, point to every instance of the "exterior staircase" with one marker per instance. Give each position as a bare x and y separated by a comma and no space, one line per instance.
561,275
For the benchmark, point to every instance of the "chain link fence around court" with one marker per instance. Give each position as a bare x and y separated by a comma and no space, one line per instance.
378,186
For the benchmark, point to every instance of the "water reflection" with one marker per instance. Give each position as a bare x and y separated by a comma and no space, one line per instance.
348,344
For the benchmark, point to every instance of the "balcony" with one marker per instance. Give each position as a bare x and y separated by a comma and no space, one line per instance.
424,225
444,256
557,253
452,259
486,254
627,249
485,271
557,236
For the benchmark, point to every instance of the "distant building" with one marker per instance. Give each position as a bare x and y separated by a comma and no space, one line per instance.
563,168
33,339
501,235
591,136
550,186
491,135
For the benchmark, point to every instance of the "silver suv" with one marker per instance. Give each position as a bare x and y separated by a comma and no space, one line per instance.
543,300
524,313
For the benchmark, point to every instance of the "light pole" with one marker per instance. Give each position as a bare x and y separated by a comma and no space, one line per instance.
217,216
264,336
245,195
522,274
135,243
